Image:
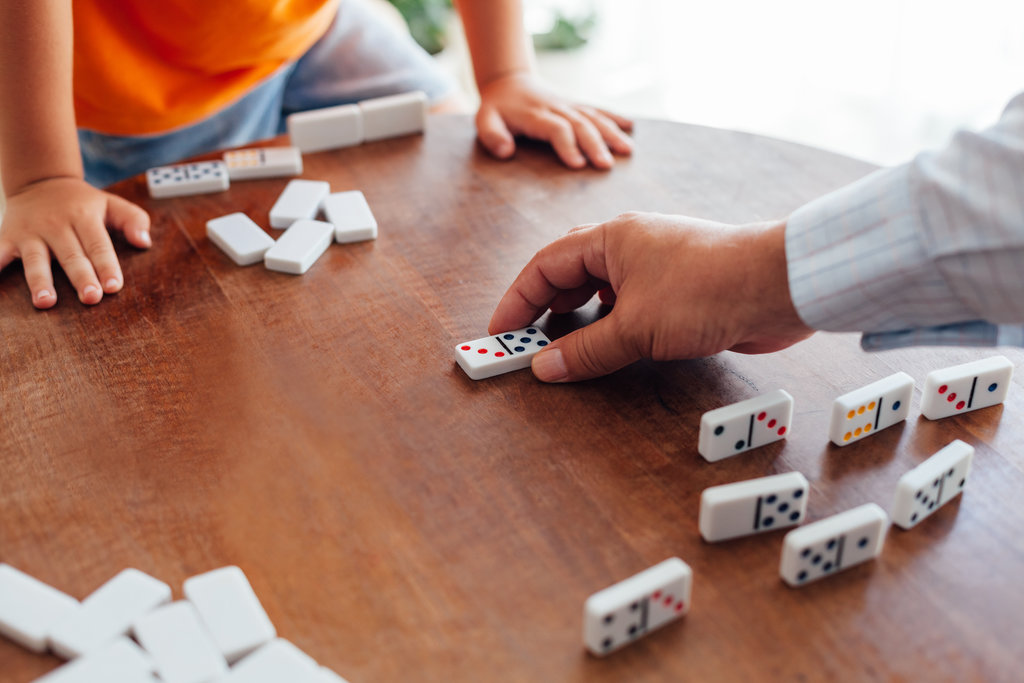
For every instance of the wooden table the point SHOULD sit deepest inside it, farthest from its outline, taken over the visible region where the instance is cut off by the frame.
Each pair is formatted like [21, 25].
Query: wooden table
[401, 522]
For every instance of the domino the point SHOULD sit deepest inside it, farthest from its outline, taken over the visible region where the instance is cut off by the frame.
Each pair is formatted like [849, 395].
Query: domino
[232, 613]
[328, 676]
[300, 199]
[628, 610]
[180, 646]
[29, 607]
[962, 388]
[328, 128]
[832, 544]
[932, 484]
[490, 356]
[753, 506]
[239, 237]
[299, 247]
[275, 662]
[871, 408]
[202, 177]
[119, 661]
[351, 216]
[739, 427]
[263, 162]
[394, 115]
[108, 613]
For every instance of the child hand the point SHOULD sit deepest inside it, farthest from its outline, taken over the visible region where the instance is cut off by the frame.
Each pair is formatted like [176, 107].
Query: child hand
[69, 217]
[680, 287]
[516, 105]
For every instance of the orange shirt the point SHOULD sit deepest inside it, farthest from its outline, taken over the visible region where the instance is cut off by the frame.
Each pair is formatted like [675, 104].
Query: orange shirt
[149, 66]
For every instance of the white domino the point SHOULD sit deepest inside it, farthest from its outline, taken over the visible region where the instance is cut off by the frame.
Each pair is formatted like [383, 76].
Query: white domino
[753, 506]
[871, 408]
[201, 177]
[501, 353]
[329, 676]
[275, 662]
[829, 545]
[232, 613]
[239, 237]
[119, 661]
[394, 115]
[351, 216]
[328, 128]
[29, 607]
[962, 388]
[299, 247]
[737, 428]
[628, 610]
[300, 199]
[263, 162]
[108, 613]
[181, 647]
[932, 484]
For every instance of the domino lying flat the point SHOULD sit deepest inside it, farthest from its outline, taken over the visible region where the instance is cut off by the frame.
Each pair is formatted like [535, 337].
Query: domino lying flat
[201, 177]
[29, 608]
[299, 247]
[119, 661]
[619, 614]
[300, 199]
[871, 408]
[393, 116]
[490, 356]
[736, 428]
[180, 646]
[239, 237]
[230, 610]
[351, 216]
[962, 388]
[932, 484]
[263, 162]
[328, 128]
[829, 545]
[275, 662]
[753, 506]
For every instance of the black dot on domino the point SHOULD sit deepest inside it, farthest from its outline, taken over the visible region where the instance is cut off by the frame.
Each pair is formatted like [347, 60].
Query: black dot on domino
[508, 336]
[542, 343]
[635, 606]
[913, 517]
[802, 576]
[783, 507]
[862, 542]
[519, 349]
[799, 493]
[805, 552]
[740, 444]
[771, 498]
[794, 515]
[768, 521]
[831, 544]
[606, 643]
[531, 330]
[632, 631]
[718, 430]
[816, 559]
[609, 619]
[827, 566]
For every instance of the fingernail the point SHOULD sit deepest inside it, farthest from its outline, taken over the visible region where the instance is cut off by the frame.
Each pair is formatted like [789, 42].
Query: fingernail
[112, 284]
[145, 239]
[43, 294]
[550, 366]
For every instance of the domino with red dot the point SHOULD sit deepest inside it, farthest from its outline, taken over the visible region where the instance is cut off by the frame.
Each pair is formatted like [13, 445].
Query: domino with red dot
[501, 353]
[967, 387]
[734, 429]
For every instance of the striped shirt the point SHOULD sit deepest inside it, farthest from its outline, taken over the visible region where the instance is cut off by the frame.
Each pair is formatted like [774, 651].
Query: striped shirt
[931, 252]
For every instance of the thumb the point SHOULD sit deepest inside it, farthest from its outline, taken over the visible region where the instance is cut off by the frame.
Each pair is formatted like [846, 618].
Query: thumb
[592, 351]
[130, 219]
[493, 133]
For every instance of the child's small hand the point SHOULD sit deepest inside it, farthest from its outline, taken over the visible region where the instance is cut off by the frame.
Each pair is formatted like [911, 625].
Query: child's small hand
[680, 287]
[516, 105]
[69, 217]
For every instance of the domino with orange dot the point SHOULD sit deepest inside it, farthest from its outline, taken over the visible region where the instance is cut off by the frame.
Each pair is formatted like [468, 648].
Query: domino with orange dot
[864, 411]
[490, 356]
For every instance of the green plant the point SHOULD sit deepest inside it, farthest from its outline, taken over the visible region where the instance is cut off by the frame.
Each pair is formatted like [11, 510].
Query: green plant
[428, 21]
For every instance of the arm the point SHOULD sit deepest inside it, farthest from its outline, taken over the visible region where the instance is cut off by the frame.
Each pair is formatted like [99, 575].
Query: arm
[513, 103]
[49, 205]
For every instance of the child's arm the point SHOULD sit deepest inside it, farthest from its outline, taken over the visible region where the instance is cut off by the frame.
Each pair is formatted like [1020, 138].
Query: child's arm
[49, 205]
[513, 103]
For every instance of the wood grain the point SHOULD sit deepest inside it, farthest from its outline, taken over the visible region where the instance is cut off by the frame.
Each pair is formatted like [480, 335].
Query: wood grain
[401, 522]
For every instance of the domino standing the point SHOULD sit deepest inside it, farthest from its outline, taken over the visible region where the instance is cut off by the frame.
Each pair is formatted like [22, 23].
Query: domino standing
[962, 388]
[753, 506]
[29, 608]
[829, 545]
[871, 408]
[263, 162]
[932, 484]
[201, 177]
[739, 427]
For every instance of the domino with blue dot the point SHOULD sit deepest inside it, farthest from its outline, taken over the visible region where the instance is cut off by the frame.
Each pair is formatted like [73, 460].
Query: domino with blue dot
[967, 387]
[501, 353]
[871, 408]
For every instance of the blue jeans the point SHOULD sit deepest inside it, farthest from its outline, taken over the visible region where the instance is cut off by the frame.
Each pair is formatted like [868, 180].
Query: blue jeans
[359, 57]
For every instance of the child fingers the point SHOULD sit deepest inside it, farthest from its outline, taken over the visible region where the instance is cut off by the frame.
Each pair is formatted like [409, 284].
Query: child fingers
[99, 250]
[77, 266]
[35, 258]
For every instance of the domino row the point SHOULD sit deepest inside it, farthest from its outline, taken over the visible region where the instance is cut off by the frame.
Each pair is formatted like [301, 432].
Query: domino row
[619, 615]
[128, 631]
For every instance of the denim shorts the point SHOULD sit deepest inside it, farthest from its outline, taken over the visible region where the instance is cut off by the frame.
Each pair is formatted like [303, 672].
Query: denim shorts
[361, 56]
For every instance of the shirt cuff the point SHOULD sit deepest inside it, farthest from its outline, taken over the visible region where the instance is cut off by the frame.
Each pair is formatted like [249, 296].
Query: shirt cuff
[974, 333]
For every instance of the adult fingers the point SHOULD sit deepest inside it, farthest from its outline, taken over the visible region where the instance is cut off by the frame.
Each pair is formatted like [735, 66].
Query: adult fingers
[591, 351]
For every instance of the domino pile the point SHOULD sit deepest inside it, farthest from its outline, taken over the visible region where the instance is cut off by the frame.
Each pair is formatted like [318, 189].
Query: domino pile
[129, 631]
[618, 615]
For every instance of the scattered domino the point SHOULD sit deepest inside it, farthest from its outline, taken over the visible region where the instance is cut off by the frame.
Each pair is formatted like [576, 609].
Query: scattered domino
[300, 199]
[29, 607]
[108, 613]
[201, 177]
[628, 610]
[932, 484]
[299, 247]
[263, 162]
[753, 506]
[328, 128]
[966, 387]
[394, 115]
[275, 662]
[239, 237]
[871, 408]
[490, 356]
[181, 647]
[353, 221]
[232, 613]
[119, 661]
[829, 545]
[329, 676]
[739, 427]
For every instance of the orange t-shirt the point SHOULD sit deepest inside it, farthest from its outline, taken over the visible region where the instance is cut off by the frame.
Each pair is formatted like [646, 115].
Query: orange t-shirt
[149, 66]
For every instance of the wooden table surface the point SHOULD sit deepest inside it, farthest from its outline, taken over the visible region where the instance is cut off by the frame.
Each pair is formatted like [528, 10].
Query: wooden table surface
[401, 522]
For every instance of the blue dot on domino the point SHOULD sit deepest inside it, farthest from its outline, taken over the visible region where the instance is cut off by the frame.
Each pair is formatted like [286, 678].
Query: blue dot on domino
[531, 330]
[740, 444]
[542, 343]
[896, 405]
[508, 336]
[993, 386]
[519, 349]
